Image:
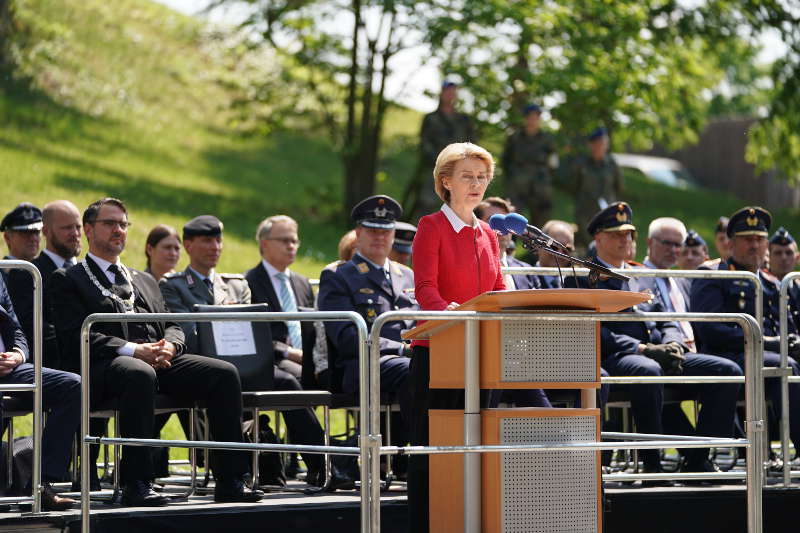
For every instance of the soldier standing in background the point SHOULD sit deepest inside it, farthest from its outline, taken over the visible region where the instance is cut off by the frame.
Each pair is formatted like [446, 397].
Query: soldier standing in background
[595, 181]
[528, 159]
[439, 128]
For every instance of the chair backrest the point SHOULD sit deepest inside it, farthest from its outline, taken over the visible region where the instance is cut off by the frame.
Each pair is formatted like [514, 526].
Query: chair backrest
[247, 345]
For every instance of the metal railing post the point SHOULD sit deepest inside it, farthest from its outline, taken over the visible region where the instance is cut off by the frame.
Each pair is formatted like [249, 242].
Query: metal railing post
[364, 449]
[783, 304]
[36, 387]
[472, 427]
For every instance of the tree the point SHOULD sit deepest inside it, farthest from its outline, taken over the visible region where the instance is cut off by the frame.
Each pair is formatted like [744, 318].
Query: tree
[7, 30]
[335, 57]
[647, 70]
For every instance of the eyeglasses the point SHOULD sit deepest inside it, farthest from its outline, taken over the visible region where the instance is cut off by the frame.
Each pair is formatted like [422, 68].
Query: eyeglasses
[480, 180]
[288, 241]
[671, 244]
[111, 224]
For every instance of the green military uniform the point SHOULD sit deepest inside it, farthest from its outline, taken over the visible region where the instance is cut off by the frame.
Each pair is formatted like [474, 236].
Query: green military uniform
[527, 172]
[182, 290]
[438, 130]
[594, 185]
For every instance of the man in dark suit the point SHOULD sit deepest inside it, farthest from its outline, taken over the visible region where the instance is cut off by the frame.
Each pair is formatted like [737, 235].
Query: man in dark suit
[564, 233]
[654, 348]
[61, 227]
[272, 282]
[61, 400]
[130, 362]
[371, 284]
[22, 231]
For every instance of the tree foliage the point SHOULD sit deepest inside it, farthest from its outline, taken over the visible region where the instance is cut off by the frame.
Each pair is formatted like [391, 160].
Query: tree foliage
[335, 57]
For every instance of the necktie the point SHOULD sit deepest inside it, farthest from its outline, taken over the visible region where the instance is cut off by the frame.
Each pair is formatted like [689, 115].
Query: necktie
[121, 282]
[289, 305]
[679, 304]
[209, 285]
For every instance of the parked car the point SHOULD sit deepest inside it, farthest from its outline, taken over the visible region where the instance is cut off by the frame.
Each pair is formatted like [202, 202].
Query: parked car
[661, 169]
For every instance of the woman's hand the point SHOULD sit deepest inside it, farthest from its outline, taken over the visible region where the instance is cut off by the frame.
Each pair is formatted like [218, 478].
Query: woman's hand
[451, 306]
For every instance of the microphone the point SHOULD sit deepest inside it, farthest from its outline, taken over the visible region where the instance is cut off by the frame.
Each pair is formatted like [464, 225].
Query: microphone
[498, 223]
[518, 225]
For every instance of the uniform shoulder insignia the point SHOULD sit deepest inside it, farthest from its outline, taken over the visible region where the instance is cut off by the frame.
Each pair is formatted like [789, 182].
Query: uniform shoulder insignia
[232, 276]
[362, 267]
[333, 266]
[769, 275]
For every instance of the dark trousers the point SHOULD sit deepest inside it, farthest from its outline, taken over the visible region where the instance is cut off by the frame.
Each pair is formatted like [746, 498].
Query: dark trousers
[718, 401]
[772, 391]
[61, 400]
[394, 379]
[134, 384]
[301, 424]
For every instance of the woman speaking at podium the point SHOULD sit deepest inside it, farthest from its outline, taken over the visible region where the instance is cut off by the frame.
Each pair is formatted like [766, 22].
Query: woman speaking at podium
[456, 257]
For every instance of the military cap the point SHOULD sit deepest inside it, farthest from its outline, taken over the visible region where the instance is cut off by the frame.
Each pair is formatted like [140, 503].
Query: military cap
[531, 108]
[446, 84]
[694, 239]
[782, 237]
[722, 225]
[204, 225]
[403, 237]
[616, 217]
[749, 221]
[379, 211]
[24, 217]
[598, 133]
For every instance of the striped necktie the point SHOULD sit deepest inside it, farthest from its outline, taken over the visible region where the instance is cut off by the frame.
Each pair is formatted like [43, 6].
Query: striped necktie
[289, 305]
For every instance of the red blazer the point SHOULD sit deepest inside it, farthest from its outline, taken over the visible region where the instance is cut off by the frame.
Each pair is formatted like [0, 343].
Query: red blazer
[453, 267]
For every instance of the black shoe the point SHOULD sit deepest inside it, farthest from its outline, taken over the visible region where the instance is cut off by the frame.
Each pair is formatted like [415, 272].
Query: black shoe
[140, 493]
[230, 491]
[51, 501]
[705, 465]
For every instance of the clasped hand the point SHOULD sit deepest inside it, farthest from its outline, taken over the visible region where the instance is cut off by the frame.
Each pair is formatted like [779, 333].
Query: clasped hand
[669, 356]
[156, 354]
[9, 361]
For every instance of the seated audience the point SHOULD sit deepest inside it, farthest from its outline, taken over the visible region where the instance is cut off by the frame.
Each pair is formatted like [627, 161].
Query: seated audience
[163, 251]
[694, 252]
[131, 362]
[401, 248]
[347, 245]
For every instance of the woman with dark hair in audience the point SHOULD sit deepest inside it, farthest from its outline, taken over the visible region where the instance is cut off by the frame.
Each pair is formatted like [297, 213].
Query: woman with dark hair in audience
[163, 250]
[456, 257]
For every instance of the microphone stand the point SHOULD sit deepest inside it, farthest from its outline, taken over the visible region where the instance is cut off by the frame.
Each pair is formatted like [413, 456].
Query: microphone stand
[532, 243]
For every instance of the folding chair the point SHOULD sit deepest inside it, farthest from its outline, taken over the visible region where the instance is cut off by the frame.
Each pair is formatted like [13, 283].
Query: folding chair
[256, 370]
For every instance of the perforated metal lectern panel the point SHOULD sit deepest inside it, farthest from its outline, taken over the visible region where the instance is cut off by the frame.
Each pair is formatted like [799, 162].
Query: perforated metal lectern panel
[546, 351]
[549, 492]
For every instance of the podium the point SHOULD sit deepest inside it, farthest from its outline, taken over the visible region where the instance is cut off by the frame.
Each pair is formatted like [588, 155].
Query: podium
[529, 491]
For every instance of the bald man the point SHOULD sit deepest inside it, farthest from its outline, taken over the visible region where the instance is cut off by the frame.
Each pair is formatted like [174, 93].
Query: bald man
[61, 227]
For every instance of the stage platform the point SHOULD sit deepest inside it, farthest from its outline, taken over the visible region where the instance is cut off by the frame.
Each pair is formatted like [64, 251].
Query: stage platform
[715, 509]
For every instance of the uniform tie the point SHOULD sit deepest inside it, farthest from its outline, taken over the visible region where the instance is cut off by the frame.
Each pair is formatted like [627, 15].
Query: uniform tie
[209, 285]
[289, 305]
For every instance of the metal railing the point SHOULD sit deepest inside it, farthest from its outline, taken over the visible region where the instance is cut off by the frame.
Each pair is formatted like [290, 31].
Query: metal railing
[658, 273]
[754, 425]
[87, 439]
[36, 387]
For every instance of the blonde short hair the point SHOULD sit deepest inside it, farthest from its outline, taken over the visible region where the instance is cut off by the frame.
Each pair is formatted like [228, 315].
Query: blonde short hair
[446, 162]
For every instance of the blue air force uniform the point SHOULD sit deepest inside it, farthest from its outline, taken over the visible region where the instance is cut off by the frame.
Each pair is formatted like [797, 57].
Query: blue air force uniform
[620, 345]
[370, 290]
[726, 339]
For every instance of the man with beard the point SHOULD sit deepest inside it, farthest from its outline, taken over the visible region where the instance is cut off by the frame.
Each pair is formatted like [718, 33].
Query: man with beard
[130, 362]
